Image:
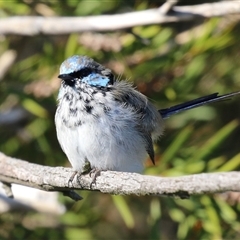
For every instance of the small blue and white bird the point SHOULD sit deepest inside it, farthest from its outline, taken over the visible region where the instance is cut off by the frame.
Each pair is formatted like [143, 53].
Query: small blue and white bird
[106, 122]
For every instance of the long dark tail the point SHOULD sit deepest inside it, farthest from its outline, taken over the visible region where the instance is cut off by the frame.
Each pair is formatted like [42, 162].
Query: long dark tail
[167, 112]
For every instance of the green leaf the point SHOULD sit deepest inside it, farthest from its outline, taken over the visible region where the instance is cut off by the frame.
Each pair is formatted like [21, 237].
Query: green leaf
[211, 224]
[213, 164]
[34, 108]
[124, 210]
[185, 226]
[78, 233]
[155, 209]
[215, 140]
[227, 212]
[72, 45]
[176, 144]
[177, 215]
[231, 164]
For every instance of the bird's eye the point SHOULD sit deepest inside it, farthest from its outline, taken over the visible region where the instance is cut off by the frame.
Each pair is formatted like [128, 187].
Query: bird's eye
[85, 72]
[82, 73]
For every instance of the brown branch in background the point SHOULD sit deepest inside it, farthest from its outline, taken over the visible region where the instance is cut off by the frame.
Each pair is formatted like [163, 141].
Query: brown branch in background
[66, 25]
[120, 183]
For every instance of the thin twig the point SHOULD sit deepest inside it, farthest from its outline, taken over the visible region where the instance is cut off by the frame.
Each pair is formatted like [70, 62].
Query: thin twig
[167, 6]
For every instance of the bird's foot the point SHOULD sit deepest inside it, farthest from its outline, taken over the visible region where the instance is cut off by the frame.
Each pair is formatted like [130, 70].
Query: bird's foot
[72, 178]
[96, 173]
[86, 168]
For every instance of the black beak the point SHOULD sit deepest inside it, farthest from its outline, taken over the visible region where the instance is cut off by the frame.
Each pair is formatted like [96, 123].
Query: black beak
[64, 76]
[67, 78]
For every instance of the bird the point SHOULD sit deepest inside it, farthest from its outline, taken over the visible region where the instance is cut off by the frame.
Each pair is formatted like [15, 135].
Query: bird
[106, 124]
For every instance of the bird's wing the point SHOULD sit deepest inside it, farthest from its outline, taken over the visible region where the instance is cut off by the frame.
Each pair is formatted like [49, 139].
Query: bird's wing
[149, 123]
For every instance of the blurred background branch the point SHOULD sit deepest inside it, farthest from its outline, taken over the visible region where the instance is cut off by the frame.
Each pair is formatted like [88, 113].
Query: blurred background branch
[65, 25]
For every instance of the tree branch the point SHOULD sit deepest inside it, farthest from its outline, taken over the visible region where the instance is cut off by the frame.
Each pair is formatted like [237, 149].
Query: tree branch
[122, 183]
[167, 6]
[66, 25]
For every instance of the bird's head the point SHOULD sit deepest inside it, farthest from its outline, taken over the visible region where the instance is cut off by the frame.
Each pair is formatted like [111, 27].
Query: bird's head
[82, 69]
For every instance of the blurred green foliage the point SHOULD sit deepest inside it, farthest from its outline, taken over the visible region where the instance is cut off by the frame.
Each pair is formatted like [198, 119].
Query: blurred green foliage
[170, 64]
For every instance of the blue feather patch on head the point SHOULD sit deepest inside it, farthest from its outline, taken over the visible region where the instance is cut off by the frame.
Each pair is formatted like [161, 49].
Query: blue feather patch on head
[96, 79]
[74, 64]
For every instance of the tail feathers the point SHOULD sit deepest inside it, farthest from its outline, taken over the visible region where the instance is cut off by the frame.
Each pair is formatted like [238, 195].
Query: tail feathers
[167, 112]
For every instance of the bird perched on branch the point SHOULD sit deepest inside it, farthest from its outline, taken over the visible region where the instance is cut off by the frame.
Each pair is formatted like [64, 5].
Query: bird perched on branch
[107, 123]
